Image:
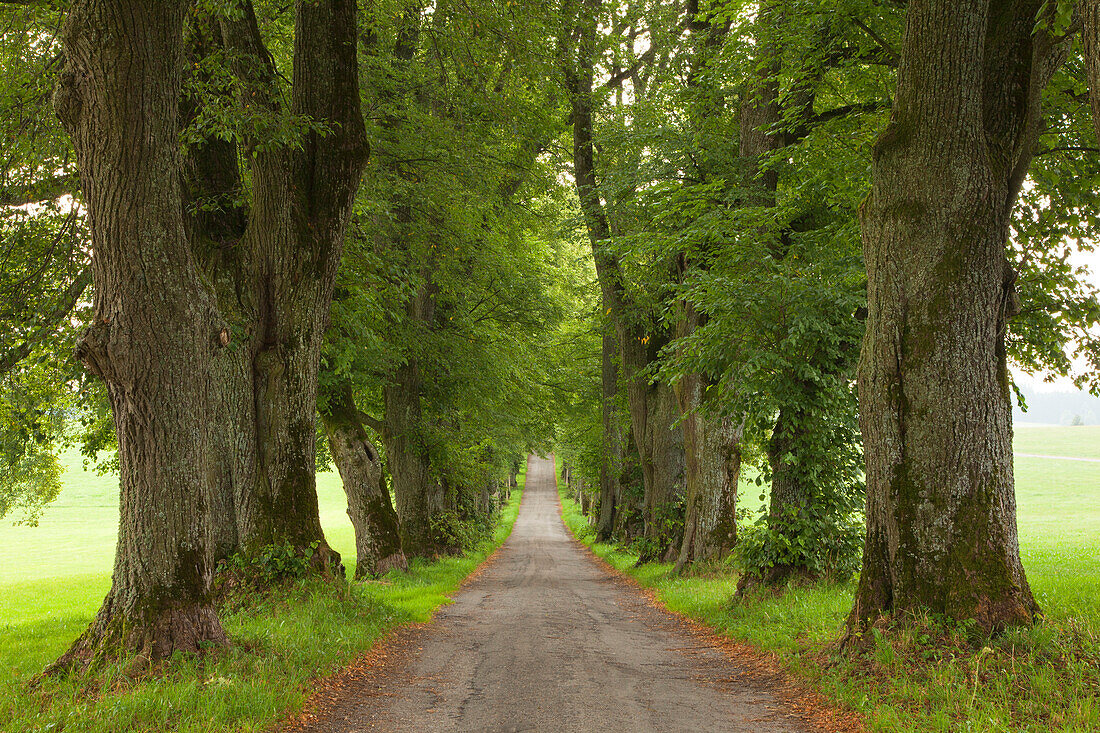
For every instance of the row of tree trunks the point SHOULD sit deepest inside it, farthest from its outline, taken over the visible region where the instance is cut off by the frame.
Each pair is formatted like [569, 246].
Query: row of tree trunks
[935, 400]
[653, 406]
[578, 490]
[214, 397]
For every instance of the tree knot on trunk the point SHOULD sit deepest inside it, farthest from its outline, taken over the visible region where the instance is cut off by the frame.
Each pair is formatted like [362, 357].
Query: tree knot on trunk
[92, 349]
[67, 99]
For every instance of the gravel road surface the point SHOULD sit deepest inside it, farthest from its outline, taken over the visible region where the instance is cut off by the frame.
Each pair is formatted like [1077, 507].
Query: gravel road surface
[547, 639]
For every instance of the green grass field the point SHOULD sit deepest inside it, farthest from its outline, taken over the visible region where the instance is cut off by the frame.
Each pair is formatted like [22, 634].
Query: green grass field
[53, 579]
[1076, 442]
[932, 678]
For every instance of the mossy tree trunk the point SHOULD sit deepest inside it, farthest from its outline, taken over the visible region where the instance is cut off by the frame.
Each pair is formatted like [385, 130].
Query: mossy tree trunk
[377, 534]
[290, 250]
[156, 331]
[935, 405]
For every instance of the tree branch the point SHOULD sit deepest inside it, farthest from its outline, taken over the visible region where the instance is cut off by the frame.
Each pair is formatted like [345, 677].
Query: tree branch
[72, 294]
[371, 422]
[889, 50]
[47, 189]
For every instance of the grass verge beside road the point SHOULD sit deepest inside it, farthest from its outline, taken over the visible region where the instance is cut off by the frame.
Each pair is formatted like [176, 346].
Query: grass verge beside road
[281, 644]
[932, 676]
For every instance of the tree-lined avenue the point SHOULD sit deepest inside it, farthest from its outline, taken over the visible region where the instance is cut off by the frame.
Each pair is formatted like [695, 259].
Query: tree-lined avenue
[545, 639]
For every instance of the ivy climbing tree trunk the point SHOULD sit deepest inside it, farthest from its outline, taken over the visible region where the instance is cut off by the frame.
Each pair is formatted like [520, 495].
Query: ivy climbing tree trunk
[377, 535]
[155, 333]
[934, 389]
[790, 495]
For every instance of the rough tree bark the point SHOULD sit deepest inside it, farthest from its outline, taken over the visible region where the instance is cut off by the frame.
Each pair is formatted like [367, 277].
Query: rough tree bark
[712, 448]
[1090, 35]
[289, 251]
[212, 191]
[377, 534]
[155, 331]
[934, 391]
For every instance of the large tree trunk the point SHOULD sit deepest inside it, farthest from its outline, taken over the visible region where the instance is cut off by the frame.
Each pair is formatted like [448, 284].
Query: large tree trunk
[712, 455]
[233, 436]
[934, 388]
[291, 248]
[377, 534]
[155, 332]
[419, 494]
[654, 412]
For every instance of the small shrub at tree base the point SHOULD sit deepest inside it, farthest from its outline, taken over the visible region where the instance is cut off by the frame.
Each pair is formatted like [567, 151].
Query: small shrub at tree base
[831, 549]
[272, 565]
[458, 534]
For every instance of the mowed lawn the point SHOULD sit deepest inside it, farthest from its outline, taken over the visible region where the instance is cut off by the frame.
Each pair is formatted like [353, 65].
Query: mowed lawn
[1058, 513]
[53, 577]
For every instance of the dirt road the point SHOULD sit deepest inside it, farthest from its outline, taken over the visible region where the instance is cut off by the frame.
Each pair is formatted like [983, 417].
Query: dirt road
[545, 639]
